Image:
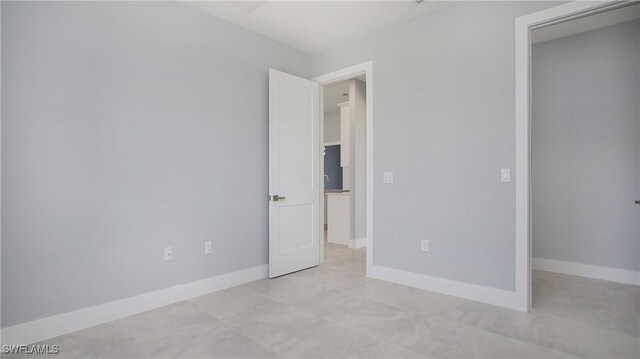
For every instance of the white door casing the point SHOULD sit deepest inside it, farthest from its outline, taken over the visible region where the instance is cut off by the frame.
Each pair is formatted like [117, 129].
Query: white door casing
[294, 186]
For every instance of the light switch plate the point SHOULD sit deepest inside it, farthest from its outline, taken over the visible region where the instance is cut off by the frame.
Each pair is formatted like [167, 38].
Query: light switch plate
[424, 245]
[505, 175]
[387, 177]
[168, 253]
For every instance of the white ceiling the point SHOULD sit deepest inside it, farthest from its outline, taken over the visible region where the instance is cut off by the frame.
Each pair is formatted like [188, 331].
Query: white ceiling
[587, 23]
[313, 26]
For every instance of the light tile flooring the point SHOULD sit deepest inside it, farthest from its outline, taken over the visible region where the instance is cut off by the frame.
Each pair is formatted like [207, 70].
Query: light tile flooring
[333, 311]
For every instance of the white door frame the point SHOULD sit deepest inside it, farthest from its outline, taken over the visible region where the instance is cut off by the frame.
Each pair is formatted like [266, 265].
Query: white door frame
[350, 72]
[524, 25]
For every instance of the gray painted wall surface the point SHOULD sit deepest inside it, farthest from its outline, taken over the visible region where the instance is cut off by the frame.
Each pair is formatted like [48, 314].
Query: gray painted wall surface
[358, 158]
[444, 123]
[332, 126]
[117, 125]
[586, 147]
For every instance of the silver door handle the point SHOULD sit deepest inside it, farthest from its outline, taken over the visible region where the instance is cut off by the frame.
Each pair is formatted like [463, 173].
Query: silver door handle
[276, 198]
[637, 201]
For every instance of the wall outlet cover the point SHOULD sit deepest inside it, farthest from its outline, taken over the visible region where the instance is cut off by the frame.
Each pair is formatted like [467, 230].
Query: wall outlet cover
[208, 247]
[505, 175]
[424, 245]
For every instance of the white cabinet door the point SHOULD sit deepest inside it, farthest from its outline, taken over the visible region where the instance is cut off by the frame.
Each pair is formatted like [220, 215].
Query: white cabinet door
[338, 218]
[294, 182]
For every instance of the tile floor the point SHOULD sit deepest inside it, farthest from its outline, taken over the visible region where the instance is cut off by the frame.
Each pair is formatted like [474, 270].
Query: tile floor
[334, 311]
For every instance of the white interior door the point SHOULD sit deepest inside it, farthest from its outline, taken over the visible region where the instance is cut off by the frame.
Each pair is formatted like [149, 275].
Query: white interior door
[294, 178]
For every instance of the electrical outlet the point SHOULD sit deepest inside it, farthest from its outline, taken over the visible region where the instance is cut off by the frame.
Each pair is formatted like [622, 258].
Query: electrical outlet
[168, 254]
[505, 175]
[208, 247]
[425, 245]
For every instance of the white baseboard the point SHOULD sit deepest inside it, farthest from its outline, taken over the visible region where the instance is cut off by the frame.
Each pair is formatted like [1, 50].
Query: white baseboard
[50, 327]
[500, 297]
[587, 270]
[357, 243]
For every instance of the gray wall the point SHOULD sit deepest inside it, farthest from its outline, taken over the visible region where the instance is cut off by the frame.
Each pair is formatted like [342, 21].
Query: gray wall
[586, 147]
[126, 128]
[332, 126]
[358, 158]
[444, 124]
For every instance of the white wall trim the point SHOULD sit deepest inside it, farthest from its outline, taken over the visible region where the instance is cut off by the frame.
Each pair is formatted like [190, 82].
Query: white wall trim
[523, 26]
[587, 270]
[365, 68]
[500, 297]
[357, 243]
[332, 144]
[46, 328]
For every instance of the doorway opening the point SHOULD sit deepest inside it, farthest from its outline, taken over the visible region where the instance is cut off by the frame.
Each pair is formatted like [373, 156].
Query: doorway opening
[346, 169]
[577, 155]
[296, 169]
[585, 161]
[344, 151]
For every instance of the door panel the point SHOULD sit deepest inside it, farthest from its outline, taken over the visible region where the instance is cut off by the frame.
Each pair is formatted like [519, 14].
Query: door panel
[294, 156]
[295, 136]
[295, 224]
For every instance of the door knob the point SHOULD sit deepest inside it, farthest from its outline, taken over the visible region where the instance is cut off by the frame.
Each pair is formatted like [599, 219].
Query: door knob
[637, 201]
[276, 198]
